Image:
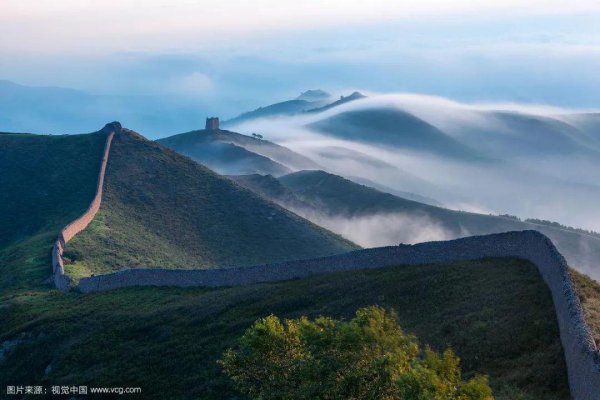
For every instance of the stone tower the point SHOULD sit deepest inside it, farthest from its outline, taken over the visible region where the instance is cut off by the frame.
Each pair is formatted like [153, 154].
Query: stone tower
[212, 123]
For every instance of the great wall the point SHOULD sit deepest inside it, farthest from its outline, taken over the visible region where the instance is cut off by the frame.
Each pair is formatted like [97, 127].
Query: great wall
[61, 280]
[581, 353]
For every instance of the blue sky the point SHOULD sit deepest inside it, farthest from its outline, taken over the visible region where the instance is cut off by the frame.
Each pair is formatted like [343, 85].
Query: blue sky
[232, 55]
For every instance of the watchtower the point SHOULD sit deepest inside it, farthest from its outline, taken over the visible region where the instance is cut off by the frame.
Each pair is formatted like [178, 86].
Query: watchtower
[212, 123]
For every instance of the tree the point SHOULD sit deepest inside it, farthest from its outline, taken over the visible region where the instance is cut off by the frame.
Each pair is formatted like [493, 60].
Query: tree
[366, 358]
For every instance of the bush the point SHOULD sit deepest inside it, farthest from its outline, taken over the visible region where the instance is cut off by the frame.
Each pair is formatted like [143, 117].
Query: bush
[368, 357]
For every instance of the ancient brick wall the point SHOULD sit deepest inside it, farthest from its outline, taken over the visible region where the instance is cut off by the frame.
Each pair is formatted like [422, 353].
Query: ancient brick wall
[581, 354]
[62, 281]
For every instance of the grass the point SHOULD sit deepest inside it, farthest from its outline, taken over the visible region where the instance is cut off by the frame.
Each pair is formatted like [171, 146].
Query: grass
[161, 209]
[496, 314]
[46, 182]
[589, 295]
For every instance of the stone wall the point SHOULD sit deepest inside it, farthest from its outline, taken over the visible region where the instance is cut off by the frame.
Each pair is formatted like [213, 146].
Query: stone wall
[62, 281]
[581, 354]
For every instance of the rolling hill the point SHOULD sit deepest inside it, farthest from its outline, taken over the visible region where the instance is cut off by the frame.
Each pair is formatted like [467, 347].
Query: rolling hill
[308, 100]
[392, 127]
[231, 153]
[474, 157]
[512, 135]
[374, 218]
[162, 209]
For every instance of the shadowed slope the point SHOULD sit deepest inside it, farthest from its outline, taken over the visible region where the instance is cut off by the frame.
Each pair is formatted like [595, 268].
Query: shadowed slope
[45, 182]
[162, 209]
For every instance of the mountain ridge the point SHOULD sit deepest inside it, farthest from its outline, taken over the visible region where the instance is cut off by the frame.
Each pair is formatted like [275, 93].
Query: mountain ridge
[231, 153]
[190, 215]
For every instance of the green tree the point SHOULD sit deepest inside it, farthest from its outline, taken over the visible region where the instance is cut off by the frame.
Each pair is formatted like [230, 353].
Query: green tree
[366, 358]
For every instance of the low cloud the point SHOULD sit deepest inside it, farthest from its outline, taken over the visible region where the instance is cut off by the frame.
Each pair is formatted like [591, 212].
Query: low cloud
[381, 229]
[196, 84]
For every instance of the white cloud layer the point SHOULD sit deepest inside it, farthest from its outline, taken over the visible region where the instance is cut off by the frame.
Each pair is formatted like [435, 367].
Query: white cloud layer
[166, 25]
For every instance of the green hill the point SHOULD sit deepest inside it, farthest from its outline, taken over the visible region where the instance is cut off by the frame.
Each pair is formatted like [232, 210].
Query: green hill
[162, 209]
[334, 196]
[497, 315]
[216, 150]
[231, 153]
[46, 182]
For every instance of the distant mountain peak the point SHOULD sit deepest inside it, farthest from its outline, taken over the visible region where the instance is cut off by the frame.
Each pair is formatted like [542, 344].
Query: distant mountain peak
[343, 99]
[314, 95]
[355, 95]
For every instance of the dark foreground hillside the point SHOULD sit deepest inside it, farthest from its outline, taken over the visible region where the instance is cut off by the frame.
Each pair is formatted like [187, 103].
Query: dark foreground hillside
[45, 182]
[496, 314]
[162, 209]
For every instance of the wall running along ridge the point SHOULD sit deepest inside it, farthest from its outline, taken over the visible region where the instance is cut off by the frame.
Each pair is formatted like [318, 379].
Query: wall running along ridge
[62, 281]
[581, 353]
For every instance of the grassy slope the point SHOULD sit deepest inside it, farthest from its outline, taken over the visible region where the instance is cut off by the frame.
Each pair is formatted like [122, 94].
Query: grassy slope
[496, 314]
[162, 209]
[589, 295]
[46, 181]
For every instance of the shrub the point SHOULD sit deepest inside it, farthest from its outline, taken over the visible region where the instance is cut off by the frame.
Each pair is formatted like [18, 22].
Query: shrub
[366, 358]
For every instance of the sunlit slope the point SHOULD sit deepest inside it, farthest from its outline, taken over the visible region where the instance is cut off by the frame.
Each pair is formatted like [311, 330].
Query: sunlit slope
[589, 295]
[45, 182]
[162, 209]
[497, 315]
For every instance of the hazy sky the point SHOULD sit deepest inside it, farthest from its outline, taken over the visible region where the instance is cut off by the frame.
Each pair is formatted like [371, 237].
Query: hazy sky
[237, 54]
